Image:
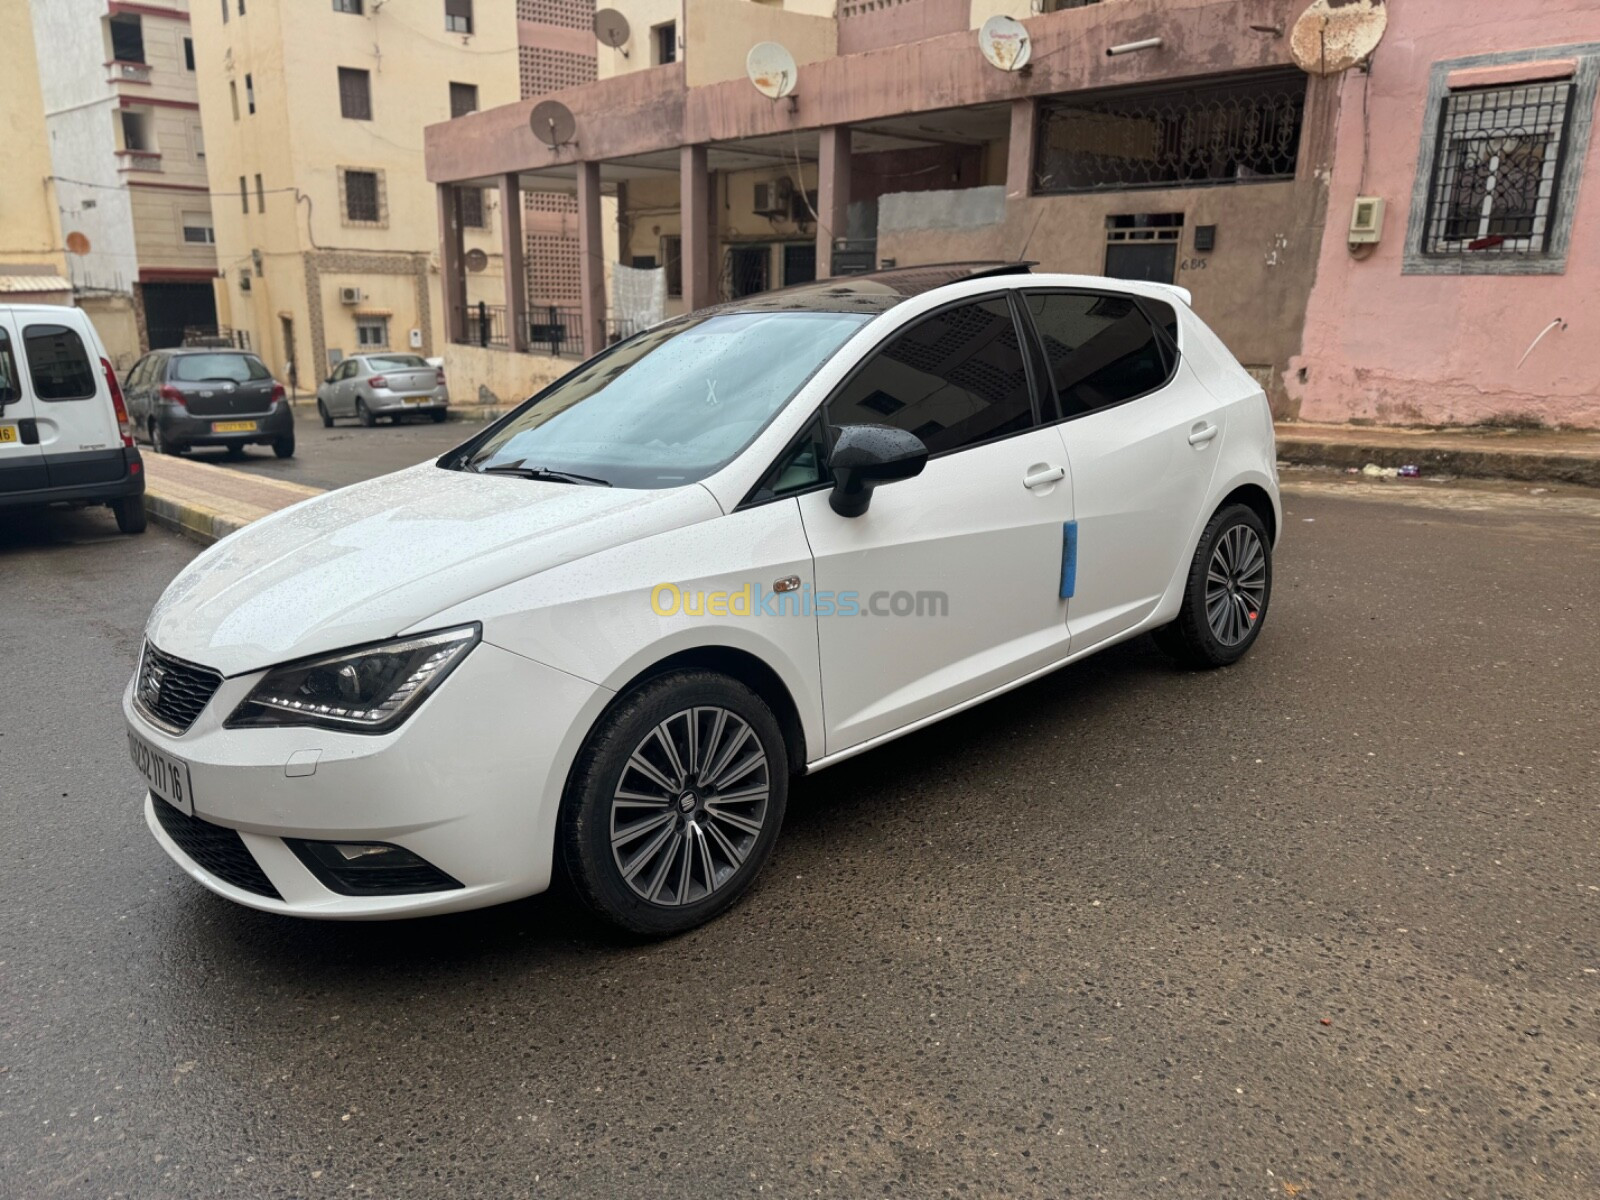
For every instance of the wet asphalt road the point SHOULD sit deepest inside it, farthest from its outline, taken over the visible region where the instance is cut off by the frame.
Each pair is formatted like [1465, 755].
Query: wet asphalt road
[1326, 924]
[346, 453]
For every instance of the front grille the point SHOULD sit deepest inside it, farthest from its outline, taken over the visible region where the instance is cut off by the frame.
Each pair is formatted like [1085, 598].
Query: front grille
[173, 692]
[218, 849]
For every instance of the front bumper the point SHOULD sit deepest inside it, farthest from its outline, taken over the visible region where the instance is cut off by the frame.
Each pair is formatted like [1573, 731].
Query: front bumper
[471, 783]
[182, 428]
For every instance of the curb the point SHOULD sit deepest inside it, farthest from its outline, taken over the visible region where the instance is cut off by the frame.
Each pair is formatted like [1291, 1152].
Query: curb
[203, 525]
[206, 503]
[1466, 462]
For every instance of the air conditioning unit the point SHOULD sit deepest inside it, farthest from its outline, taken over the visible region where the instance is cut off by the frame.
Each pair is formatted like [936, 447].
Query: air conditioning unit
[349, 295]
[773, 198]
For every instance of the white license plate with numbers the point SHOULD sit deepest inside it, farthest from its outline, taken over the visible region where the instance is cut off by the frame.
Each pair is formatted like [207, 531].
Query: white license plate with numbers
[167, 777]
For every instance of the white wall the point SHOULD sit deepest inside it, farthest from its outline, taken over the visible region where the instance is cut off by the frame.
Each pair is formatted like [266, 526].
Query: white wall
[80, 111]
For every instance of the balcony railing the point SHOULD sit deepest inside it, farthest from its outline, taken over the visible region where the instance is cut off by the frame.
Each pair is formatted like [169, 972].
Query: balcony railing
[138, 160]
[552, 328]
[127, 72]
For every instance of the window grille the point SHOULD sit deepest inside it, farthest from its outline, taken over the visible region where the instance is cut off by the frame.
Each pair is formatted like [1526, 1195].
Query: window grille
[361, 195]
[355, 94]
[463, 99]
[1242, 130]
[1497, 170]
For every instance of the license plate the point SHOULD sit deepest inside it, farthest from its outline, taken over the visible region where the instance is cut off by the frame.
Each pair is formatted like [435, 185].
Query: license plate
[8, 433]
[233, 427]
[416, 399]
[167, 777]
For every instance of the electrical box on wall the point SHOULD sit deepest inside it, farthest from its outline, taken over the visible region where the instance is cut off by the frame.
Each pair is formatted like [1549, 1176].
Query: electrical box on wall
[416, 339]
[1205, 239]
[1366, 221]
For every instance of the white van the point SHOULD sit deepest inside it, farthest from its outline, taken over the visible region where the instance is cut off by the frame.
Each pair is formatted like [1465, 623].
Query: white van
[64, 433]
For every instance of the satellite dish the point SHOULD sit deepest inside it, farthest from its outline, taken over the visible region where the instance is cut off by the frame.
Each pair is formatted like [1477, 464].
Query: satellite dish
[1334, 35]
[771, 68]
[1005, 43]
[611, 28]
[476, 259]
[553, 123]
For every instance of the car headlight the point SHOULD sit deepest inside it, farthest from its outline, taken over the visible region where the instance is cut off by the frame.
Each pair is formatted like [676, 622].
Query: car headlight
[367, 690]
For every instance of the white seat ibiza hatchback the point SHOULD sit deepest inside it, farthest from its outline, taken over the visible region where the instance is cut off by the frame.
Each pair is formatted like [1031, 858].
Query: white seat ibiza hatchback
[601, 636]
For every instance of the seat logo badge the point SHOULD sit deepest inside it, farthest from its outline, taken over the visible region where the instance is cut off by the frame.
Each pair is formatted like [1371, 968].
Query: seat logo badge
[150, 685]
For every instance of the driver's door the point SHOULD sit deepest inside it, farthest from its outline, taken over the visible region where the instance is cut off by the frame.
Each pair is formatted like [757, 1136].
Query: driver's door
[951, 583]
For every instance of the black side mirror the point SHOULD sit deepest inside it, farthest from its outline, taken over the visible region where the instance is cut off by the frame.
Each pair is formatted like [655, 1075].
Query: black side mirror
[865, 456]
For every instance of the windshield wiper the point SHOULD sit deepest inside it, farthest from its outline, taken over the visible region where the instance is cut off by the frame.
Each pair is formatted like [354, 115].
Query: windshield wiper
[543, 474]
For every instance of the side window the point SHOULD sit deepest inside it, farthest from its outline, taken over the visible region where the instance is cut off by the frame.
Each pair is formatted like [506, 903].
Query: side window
[140, 375]
[800, 468]
[10, 385]
[59, 363]
[955, 378]
[1100, 348]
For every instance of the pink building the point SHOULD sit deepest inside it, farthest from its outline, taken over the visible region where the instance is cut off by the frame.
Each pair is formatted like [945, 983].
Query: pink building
[1473, 127]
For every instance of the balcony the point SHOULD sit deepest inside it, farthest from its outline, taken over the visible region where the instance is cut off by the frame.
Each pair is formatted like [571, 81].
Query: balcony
[118, 71]
[138, 160]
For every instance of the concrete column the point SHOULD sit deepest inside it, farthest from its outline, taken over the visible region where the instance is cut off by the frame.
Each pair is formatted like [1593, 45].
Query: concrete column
[452, 268]
[591, 259]
[511, 257]
[694, 203]
[1019, 155]
[833, 192]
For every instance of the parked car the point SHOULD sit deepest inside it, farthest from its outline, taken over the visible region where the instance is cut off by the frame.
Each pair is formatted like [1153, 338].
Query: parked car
[180, 399]
[369, 386]
[64, 435]
[601, 635]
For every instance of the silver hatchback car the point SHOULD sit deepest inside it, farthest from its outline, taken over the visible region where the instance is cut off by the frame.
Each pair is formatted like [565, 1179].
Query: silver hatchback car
[369, 386]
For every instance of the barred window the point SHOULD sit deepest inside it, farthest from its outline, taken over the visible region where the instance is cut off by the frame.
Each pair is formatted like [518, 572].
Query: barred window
[1243, 130]
[472, 207]
[355, 94]
[361, 196]
[1496, 170]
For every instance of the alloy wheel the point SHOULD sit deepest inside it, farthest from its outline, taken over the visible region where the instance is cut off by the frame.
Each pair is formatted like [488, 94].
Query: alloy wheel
[1236, 584]
[689, 806]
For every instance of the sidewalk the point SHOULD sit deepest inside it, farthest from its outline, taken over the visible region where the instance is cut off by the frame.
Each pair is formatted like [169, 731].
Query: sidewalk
[208, 503]
[1540, 455]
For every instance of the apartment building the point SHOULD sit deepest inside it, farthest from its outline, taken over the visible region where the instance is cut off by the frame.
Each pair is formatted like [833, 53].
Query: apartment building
[327, 229]
[33, 264]
[127, 154]
[1199, 157]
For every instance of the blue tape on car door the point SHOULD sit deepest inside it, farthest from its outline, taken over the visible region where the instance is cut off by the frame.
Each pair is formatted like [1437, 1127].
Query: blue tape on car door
[1069, 559]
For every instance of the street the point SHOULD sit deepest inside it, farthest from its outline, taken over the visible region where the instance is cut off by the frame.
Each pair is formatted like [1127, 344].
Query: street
[1324, 924]
[347, 453]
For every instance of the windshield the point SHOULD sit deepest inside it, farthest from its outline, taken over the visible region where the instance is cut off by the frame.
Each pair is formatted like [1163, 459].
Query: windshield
[669, 406]
[395, 362]
[227, 368]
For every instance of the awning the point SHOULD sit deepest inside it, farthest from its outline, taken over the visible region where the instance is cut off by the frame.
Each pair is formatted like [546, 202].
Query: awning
[34, 283]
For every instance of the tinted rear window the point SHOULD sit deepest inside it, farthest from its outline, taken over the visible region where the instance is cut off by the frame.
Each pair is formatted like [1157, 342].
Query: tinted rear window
[397, 362]
[220, 368]
[59, 363]
[1100, 348]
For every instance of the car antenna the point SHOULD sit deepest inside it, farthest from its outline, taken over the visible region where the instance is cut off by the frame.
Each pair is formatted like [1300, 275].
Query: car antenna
[1028, 241]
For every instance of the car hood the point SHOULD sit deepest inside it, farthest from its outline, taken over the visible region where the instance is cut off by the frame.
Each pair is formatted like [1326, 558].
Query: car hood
[378, 559]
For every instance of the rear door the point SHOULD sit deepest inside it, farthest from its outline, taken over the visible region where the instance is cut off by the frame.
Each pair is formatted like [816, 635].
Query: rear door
[21, 456]
[77, 422]
[1142, 435]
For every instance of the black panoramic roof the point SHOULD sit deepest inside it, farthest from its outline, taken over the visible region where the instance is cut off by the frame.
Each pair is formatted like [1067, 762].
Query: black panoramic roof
[869, 294]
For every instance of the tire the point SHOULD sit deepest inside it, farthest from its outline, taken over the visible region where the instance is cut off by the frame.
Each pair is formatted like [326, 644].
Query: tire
[129, 512]
[283, 447]
[1237, 593]
[159, 443]
[322, 411]
[439, 416]
[364, 414]
[732, 837]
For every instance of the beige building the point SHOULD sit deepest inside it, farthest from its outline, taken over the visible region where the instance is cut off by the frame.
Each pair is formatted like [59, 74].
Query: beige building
[33, 263]
[327, 229]
[127, 164]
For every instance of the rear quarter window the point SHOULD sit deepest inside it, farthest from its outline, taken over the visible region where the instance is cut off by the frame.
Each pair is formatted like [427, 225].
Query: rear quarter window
[58, 363]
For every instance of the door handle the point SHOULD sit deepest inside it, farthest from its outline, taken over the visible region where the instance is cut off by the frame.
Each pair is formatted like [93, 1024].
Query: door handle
[1201, 434]
[1040, 476]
